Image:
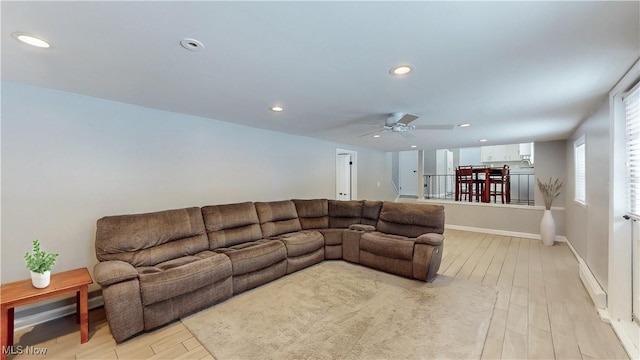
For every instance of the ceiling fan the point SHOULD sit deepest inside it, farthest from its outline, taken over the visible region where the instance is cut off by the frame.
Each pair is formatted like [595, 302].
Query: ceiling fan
[400, 123]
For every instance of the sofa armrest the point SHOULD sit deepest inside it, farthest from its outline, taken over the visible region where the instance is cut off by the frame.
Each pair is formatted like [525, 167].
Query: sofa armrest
[362, 227]
[430, 239]
[111, 272]
[121, 295]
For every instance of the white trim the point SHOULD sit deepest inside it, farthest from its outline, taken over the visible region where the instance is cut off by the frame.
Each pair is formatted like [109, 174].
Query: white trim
[597, 294]
[622, 335]
[473, 203]
[22, 322]
[619, 263]
[559, 238]
[580, 183]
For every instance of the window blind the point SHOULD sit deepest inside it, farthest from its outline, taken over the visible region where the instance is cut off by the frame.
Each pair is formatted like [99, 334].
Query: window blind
[632, 123]
[580, 167]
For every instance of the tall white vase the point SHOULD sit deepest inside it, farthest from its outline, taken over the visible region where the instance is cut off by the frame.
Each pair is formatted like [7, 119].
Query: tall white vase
[547, 228]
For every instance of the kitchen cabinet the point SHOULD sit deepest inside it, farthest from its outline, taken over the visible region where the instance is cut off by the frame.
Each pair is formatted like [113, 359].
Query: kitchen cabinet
[500, 153]
[525, 149]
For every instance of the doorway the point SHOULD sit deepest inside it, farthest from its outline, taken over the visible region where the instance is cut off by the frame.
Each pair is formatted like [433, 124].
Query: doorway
[346, 174]
[408, 173]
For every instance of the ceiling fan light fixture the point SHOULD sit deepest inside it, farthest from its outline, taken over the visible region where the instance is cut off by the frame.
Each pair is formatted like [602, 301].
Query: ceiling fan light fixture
[400, 70]
[31, 40]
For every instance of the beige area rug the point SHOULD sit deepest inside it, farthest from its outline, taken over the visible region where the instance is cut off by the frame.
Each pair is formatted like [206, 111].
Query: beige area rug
[338, 310]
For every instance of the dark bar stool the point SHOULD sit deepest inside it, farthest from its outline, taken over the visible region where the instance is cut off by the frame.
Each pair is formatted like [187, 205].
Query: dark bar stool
[466, 183]
[500, 183]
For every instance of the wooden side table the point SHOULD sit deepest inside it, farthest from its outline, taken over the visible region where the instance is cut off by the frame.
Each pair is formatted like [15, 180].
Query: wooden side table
[22, 292]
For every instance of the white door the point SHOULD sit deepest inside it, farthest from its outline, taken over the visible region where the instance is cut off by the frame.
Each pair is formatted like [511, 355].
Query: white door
[408, 173]
[450, 180]
[343, 177]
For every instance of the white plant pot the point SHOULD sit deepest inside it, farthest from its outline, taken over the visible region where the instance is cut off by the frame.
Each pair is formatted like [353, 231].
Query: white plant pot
[547, 228]
[41, 281]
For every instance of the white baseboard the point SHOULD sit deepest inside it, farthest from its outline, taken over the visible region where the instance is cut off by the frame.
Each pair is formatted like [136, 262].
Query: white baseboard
[622, 334]
[56, 313]
[500, 232]
[599, 298]
[597, 294]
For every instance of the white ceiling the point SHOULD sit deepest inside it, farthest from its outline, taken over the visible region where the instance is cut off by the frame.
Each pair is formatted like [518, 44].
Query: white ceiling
[517, 71]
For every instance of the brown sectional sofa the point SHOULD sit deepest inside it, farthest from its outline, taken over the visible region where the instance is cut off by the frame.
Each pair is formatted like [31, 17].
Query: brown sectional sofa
[158, 267]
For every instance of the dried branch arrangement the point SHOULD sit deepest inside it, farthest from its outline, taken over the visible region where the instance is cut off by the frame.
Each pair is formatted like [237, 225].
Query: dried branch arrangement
[550, 190]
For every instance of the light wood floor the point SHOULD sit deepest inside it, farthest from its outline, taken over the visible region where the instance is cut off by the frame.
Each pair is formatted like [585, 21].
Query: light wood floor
[542, 312]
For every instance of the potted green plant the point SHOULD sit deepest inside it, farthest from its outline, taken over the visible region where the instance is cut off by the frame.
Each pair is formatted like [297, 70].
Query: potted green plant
[550, 191]
[40, 264]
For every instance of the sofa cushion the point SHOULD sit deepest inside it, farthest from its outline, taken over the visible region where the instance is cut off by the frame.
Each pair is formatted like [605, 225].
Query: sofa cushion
[302, 242]
[371, 212]
[255, 255]
[391, 265]
[332, 236]
[277, 217]
[411, 220]
[231, 224]
[387, 245]
[256, 278]
[344, 213]
[151, 238]
[182, 275]
[313, 214]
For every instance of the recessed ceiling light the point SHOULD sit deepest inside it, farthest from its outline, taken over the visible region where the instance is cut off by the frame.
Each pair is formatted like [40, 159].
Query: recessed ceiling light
[31, 40]
[414, 146]
[483, 140]
[403, 69]
[376, 135]
[464, 125]
[277, 108]
[191, 44]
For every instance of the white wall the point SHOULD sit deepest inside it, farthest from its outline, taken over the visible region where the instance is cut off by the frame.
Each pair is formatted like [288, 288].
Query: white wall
[68, 160]
[551, 163]
[588, 226]
[470, 156]
[511, 220]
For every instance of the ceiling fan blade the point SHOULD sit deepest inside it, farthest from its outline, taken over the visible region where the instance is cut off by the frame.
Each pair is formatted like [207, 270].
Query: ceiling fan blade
[407, 134]
[407, 118]
[433, 127]
[372, 132]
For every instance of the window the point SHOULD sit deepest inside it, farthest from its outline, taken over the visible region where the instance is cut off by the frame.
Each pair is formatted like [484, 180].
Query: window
[632, 142]
[580, 170]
